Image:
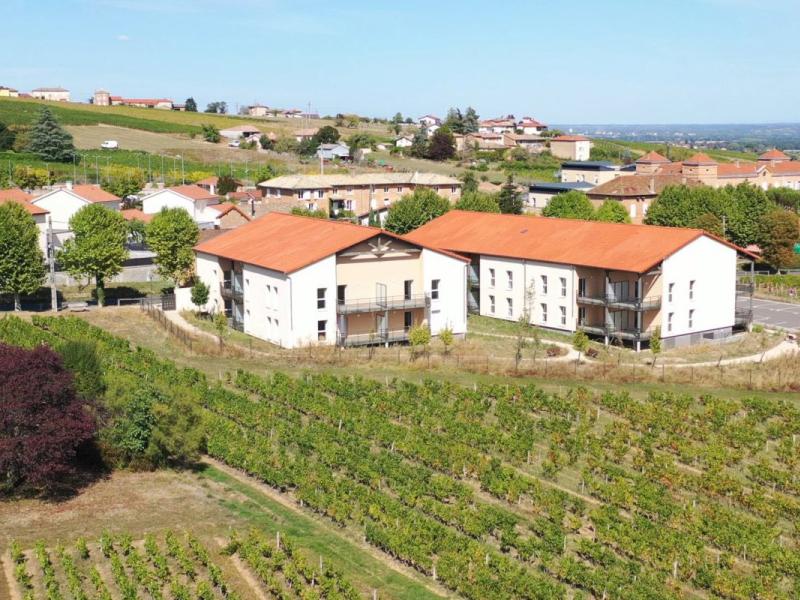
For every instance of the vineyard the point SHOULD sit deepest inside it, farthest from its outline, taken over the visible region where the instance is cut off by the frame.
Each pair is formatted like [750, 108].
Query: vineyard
[172, 566]
[508, 491]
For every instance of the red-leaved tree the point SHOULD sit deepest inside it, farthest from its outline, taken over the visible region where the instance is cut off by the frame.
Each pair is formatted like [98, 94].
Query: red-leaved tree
[42, 421]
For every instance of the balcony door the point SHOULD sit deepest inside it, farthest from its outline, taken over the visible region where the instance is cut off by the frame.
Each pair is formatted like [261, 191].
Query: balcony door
[380, 294]
[620, 290]
[382, 325]
[582, 287]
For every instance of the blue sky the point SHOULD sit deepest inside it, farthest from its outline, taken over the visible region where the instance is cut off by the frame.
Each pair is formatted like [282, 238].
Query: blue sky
[584, 61]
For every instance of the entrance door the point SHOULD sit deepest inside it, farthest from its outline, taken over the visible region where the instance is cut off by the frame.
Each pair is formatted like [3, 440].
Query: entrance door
[381, 325]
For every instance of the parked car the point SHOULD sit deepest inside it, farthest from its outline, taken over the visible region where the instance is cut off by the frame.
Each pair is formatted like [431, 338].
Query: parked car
[234, 144]
[110, 144]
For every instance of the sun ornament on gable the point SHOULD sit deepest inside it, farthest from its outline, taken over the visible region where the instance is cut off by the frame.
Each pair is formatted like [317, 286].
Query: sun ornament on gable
[380, 247]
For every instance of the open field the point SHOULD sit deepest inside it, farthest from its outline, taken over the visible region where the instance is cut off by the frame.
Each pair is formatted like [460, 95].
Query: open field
[502, 490]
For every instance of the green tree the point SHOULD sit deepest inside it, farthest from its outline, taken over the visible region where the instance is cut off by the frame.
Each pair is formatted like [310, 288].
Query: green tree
[397, 119]
[29, 178]
[785, 197]
[782, 232]
[361, 139]
[80, 357]
[49, 141]
[21, 259]
[454, 120]
[200, 294]
[7, 137]
[326, 135]
[570, 205]
[414, 210]
[471, 122]
[509, 198]
[709, 222]
[469, 183]
[123, 181]
[655, 344]
[681, 206]
[97, 249]
[266, 142]
[612, 211]
[218, 107]
[191, 105]
[419, 144]
[580, 341]
[747, 206]
[419, 336]
[171, 235]
[442, 145]
[302, 211]
[210, 133]
[478, 202]
[226, 184]
[447, 339]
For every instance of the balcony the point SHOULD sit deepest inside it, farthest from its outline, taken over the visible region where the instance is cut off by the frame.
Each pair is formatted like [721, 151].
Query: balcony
[368, 305]
[621, 303]
[612, 330]
[232, 289]
[367, 339]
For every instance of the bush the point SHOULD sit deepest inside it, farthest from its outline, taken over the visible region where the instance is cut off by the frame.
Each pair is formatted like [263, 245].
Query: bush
[414, 210]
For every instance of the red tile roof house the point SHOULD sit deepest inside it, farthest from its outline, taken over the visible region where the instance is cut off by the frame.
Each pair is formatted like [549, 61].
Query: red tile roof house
[62, 203]
[38, 213]
[298, 281]
[610, 280]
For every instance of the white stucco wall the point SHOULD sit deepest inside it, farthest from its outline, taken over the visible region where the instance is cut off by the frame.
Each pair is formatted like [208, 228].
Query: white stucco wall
[304, 313]
[266, 305]
[450, 310]
[207, 269]
[197, 209]
[61, 204]
[712, 266]
[527, 287]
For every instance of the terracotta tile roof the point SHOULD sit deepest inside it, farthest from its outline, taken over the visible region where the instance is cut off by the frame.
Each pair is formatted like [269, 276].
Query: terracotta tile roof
[243, 129]
[652, 157]
[31, 208]
[570, 138]
[245, 196]
[134, 214]
[621, 247]
[671, 168]
[93, 193]
[742, 169]
[287, 243]
[774, 154]
[15, 194]
[224, 209]
[529, 122]
[639, 185]
[788, 167]
[208, 181]
[701, 158]
[195, 192]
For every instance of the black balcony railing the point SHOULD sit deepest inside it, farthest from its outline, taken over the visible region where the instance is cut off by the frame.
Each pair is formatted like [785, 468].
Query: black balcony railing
[365, 305]
[612, 301]
[374, 338]
[232, 288]
[611, 330]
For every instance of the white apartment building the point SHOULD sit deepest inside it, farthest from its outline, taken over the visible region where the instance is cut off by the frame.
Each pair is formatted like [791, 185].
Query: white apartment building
[615, 281]
[297, 281]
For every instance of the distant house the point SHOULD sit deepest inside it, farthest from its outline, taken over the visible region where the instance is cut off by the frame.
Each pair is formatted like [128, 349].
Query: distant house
[530, 126]
[7, 92]
[331, 151]
[195, 200]
[404, 141]
[292, 113]
[532, 143]
[210, 184]
[101, 98]
[229, 216]
[571, 147]
[240, 131]
[540, 193]
[258, 110]
[595, 172]
[429, 120]
[483, 140]
[38, 213]
[160, 103]
[502, 125]
[431, 129]
[302, 135]
[54, 94]
[63, 203]
[636, 192]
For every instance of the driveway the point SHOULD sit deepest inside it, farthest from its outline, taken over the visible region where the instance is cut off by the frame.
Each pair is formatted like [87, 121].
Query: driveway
[776, 314]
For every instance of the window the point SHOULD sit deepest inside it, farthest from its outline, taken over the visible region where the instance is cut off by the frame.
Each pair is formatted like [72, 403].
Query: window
[319, 193]
[510, 280]
[563, 314]
[348, 205]
[670, 289]
[386, 189]
[399, 189]
[321, 297]
[582, 287]
[582, 315]
[340, 291]
[563, 287]
[322, 330]
[407, 289]
[633, 211]
[491, 278]
[491, 304]
[311, 206]
[407, 321]
[691, 290]
[510, 303]
[691, 318]
[669, 321]
[544, 313]
[269, 296]
[544, 284]
[453, 189]
[300, 194]
[434, 289]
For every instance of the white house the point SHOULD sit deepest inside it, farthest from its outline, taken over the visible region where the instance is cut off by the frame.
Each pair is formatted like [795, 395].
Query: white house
[431, 129]
[258, 110]
[63, 203]
[54, 94]
[38, 213]
[195, 200]
[571, 147]
[404, 141]
[298, 281]
[429, 120]
[331, 151]
[531, 126]
[615, 281]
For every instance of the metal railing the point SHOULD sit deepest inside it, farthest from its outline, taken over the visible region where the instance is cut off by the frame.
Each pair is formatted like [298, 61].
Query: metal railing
[628, 302]
[611, 330]
[376, 337]
[232, 288]
[377, 304]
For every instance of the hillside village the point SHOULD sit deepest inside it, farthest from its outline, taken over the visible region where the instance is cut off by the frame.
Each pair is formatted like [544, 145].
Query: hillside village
[250, 352]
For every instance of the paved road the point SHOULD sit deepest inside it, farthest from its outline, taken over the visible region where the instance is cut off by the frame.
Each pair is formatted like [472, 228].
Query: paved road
[776, 314]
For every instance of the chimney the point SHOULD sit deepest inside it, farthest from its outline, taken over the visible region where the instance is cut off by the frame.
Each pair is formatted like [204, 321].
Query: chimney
[69, 185]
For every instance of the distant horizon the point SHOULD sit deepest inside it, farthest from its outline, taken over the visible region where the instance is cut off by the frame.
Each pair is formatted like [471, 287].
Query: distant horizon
[616, 62]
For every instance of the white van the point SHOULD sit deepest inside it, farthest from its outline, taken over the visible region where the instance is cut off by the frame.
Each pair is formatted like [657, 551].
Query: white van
[110, 145]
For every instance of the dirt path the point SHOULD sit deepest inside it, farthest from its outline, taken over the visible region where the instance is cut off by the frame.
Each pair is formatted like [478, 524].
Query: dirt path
[389, 562]
[244, 573]
[8, 574]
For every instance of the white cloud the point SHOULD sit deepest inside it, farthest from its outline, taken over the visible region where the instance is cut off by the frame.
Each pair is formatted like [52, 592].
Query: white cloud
[123, 38]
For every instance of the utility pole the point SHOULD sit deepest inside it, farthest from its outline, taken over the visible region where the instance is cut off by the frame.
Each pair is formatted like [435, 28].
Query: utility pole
[51, 259]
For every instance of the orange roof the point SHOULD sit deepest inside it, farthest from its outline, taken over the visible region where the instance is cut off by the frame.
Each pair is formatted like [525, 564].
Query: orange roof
[639, 185]
[742, 169]
[31, 208]
[652, 157]
[621, 247]
[224, 209]
[94, 193]
[15, 194]
[787, 167]
[195, 192]
[701, 158]
[570, 138]
[773, 154]
[208, 181]
[134, 214]
[287, 243]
